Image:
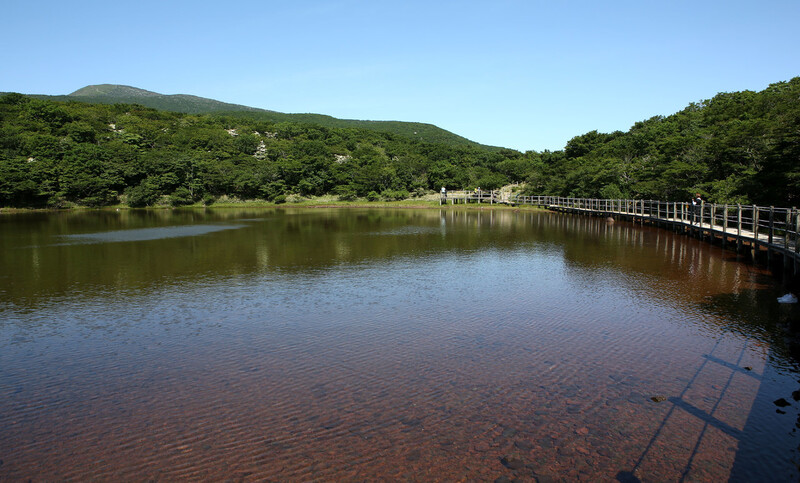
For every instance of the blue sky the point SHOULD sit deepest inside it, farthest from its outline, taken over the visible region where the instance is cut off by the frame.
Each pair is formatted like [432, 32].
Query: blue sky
[528, 75]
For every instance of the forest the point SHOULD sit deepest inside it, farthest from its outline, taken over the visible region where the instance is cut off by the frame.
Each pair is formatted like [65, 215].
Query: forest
[741, 147]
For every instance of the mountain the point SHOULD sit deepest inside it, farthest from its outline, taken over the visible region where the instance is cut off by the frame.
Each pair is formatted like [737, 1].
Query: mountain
[121, 94]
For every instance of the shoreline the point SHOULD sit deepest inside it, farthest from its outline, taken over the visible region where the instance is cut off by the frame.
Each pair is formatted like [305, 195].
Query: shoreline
[405, 204]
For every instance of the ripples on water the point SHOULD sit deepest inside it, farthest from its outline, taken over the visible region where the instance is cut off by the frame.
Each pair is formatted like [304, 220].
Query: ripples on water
[363, 345]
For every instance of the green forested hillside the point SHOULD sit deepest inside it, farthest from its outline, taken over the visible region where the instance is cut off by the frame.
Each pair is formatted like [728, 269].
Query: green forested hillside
[56, 153]
[119, 94]
[736, 147]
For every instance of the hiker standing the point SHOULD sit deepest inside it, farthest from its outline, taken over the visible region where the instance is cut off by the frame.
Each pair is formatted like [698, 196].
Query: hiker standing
[697, 204]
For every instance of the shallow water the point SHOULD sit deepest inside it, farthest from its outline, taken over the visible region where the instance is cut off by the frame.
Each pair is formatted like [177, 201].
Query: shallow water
[287, 344]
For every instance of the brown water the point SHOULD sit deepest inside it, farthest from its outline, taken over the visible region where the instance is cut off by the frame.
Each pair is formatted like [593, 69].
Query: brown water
[362, 345]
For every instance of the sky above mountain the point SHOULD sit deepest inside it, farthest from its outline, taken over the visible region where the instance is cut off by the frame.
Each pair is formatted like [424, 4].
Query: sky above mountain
[524, 74]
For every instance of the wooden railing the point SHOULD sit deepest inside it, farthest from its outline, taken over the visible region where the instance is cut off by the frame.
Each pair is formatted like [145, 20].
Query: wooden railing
[773, 227]
[477, 196]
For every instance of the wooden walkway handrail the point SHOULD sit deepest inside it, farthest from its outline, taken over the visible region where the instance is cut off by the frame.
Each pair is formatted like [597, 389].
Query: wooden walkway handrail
[479, 196]
[768, 228]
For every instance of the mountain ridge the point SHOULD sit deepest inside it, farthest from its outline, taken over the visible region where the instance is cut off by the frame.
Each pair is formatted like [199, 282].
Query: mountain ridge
[113, 89]
[190, 104]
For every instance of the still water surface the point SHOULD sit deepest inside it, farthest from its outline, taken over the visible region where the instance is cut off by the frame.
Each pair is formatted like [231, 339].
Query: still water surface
[323, 344]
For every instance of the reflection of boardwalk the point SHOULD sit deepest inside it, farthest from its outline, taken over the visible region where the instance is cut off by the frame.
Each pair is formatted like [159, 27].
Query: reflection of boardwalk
[702, 416]
[760, 229]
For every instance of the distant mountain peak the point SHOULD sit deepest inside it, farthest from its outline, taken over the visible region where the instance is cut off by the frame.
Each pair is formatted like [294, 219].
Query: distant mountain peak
[122, 94]
[113, 90]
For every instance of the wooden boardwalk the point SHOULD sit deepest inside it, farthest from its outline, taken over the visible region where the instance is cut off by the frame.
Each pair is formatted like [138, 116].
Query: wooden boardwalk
[764, 232]
[473, 196]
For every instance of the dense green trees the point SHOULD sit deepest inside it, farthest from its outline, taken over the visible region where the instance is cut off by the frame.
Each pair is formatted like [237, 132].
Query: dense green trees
[53, 153]
[736, 147]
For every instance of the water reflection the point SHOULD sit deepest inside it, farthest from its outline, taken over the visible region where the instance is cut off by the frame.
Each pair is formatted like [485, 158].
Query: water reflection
[385, 344]
[145, 234]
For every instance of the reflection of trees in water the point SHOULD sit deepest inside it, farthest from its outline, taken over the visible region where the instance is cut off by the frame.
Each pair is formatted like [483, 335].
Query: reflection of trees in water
[756, 314]
[726, 296]
[730, 293]
[289, 240]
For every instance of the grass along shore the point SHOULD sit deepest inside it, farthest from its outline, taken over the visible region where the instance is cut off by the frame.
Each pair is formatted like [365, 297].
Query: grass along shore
[428, 201]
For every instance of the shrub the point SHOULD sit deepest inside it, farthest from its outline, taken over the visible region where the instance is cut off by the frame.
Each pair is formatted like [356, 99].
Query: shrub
[143, 194]
[209, 199]
[181, 196]
[395, 195]
[346, 192]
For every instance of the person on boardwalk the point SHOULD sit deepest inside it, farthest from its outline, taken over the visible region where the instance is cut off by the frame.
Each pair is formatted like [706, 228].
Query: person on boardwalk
[697, 203]
[444, 193]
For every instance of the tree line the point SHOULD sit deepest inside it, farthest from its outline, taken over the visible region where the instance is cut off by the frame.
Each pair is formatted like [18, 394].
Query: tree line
[741, 147]
[57, 153]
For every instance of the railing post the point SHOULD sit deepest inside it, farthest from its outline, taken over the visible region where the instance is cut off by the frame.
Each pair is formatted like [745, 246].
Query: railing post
[786, 229]
[713, 215]
[796, 231]
[771, 224]
[725, 225]
[674, 207]
[702, 216]
[739, 220]
[754, 246]
[755, 221]
[739, 228]
[675, 213]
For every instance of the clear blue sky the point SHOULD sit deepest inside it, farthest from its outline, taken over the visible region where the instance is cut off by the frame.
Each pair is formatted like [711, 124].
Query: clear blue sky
[520, 74]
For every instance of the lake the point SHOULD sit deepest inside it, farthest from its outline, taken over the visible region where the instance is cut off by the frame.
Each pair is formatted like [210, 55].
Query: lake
[294, 344]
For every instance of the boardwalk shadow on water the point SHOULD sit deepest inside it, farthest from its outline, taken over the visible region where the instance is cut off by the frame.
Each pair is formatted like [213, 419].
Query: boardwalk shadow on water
[768, 450]
[766, 443]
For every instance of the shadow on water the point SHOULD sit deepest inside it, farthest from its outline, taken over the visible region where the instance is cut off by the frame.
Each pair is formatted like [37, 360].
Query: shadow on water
[766, 448]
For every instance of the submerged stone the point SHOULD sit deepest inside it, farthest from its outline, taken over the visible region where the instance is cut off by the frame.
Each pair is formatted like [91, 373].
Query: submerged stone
[512, 461]
[524, 445]
[782, 403]
[509, 432]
